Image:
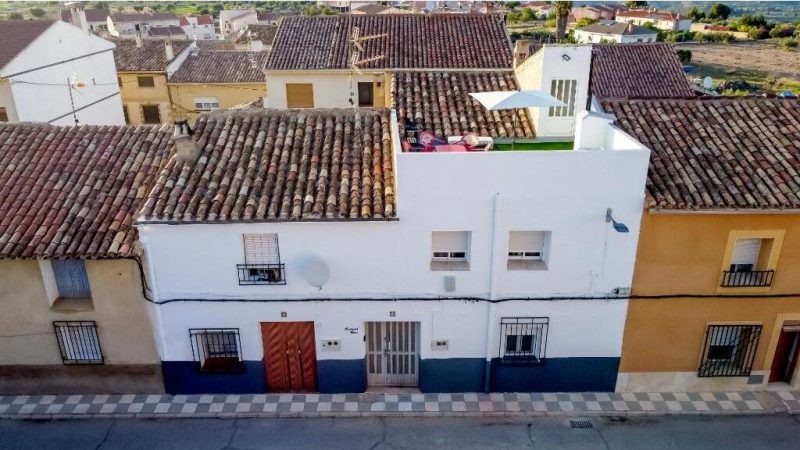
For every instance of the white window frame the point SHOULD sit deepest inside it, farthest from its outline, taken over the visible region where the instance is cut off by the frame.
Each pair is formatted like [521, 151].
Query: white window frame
[450, 254]
[206, 103]
[566, 90]
[741, 259]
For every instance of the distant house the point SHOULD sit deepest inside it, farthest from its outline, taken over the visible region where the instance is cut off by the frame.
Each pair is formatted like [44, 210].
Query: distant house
[208, 80]
[268, 18]
[198, 27]
[39, 59]
[95, 19]
[615, 32]
[257, 38]
[663, 20]
[142, 69]
[540, 8]
[375, 8]
[121, 25]
[709, 28]
[172, 32]
[233, 21]
[600, 12]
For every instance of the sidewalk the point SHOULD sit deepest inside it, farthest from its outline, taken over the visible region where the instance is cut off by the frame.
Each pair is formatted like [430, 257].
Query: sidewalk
[357, 405]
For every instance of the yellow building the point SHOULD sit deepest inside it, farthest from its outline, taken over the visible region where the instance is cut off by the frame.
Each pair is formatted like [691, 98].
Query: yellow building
[214, 79]
[716, 295]
[142, 71]
[73, 312]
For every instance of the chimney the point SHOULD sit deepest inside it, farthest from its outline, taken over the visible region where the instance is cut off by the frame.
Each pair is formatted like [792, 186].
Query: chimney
[79, 17]
[138, 36]
[168, 50]
[630, 27]
[186, 149]
[522, 50]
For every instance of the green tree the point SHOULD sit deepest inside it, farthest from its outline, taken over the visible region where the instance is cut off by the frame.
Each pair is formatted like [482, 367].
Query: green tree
[14, 16]
[719, 11]
[100, 5]
[561, 10]
[695, 14]
[685, 56]
[37, 12]
[585, 22]
[634, 5]
[311, 11]
[138, 8]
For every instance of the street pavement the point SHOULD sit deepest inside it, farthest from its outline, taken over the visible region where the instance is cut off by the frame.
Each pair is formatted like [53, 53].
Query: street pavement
[774, 432]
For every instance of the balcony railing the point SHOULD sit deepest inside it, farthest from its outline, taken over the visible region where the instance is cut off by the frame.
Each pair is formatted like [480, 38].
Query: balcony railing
[754, 278]
[250, 274]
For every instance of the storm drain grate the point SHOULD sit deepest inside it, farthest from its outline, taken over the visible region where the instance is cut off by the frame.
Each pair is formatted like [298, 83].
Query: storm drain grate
[580, 424]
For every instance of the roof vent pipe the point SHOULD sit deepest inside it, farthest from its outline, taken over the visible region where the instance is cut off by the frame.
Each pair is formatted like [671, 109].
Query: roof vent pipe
[168, 50]
[138, 36]
[186, 149]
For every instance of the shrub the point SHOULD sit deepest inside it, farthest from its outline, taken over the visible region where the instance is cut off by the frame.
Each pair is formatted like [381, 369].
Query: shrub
[759, 33]
[685, 56]
[782, 31]
[788, 43]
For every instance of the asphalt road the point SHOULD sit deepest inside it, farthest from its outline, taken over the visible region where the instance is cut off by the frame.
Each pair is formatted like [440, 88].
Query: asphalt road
[652, 433]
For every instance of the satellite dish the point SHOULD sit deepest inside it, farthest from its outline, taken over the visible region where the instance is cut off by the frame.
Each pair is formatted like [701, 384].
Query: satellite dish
[317, 273]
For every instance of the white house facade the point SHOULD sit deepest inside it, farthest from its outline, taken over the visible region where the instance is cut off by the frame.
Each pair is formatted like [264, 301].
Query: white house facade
[122, 25]
[621, 33]
[61, 75]
[448, 272]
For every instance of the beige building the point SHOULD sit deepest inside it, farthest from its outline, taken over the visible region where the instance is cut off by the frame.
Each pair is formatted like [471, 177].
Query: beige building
[214, 79]
[143, 66]
[73, 313]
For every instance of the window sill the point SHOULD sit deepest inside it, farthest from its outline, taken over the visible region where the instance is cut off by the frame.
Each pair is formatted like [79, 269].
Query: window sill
[449, 266]
[520, 361]
[526, 264]
[72, 305]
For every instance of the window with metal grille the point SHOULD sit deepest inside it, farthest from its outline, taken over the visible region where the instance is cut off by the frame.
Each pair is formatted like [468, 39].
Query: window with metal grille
[729, 350]
[563, 90]
[743, 270]
[262, 260]
[71, 278]
[206, 103]
[78, 342]
[217, 349]
[523, 340]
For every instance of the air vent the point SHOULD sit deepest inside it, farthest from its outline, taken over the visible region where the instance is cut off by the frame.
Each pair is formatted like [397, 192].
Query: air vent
[580, 424]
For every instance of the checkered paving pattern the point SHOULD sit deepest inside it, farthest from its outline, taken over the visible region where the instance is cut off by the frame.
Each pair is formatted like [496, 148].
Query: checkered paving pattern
[368, 404]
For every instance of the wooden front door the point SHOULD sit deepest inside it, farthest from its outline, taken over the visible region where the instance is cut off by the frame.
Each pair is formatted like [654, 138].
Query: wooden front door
[786, 354]
[290, 357]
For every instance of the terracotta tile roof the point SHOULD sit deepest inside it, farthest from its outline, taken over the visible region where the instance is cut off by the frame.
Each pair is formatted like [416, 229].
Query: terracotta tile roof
[215, 44]
[267, 16]
[203, 19]
[618, 28]
[172, 30]
[637, 70]
[264, 33]
[15, 35]
[372, 8]
[92, 15]
[143, 17]
[648, 14]
[222, 66]
[72, 191]
[411, 41]
[150, 57]
[440, 102]
[716, 152]
[281, 165]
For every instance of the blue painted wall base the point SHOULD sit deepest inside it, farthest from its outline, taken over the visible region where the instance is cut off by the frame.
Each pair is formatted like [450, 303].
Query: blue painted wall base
[336, 376]
[451, 375]
[182, 377]
[557, 375]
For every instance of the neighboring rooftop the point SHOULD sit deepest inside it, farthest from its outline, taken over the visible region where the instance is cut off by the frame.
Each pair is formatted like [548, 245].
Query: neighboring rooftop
[215, 44]
[171, 30]
[143, 17]
[281, 165]
[397, 41]
[267, 16]
[72, 192]
[649, 13]
[203, 19]
[264, 33]
[15, 35]
[221, 66]
[150, 57]
[440, 102]
[637, 70]
[618, 28]
[92, 15]
[371, 8]
[717, 152]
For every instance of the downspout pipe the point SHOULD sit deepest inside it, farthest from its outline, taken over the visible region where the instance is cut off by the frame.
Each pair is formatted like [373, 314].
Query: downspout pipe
[487, 376]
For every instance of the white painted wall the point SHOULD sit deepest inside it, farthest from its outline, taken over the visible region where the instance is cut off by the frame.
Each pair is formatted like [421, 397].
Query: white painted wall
[38, 78]
[584, 37]
[331, 89]
[564, 192]
[550, 63]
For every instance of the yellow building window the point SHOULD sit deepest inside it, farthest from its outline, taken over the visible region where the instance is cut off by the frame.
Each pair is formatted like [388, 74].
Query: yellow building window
[299, 95]
[146, 81]
[750, 258]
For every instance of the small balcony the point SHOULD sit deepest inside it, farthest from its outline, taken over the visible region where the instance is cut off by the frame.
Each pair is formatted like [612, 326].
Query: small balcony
[255, 274]
[753, 278]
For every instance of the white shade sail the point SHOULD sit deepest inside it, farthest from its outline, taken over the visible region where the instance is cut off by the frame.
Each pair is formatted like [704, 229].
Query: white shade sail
[515, 99]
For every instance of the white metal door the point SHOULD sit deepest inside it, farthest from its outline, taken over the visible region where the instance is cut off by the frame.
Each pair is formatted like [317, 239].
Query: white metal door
[392, 353]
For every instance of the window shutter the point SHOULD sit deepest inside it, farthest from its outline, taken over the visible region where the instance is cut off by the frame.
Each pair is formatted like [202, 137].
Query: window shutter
[71, 278]
[450, 241]
[261, 249]
[526, 241]
[745, 251]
